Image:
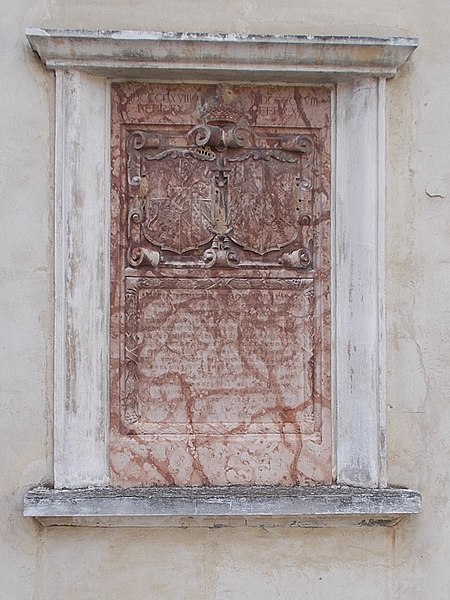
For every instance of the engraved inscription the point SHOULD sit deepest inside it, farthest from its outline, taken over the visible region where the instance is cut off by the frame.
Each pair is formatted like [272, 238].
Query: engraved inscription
[255, 364]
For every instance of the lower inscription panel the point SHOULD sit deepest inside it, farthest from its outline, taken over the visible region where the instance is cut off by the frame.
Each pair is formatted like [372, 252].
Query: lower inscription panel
[222, 384]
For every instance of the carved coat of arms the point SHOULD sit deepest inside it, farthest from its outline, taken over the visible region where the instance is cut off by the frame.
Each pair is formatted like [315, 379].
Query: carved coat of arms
[220, 193]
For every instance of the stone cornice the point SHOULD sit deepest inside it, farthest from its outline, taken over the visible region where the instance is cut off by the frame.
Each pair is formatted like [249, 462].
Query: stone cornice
[138, 54]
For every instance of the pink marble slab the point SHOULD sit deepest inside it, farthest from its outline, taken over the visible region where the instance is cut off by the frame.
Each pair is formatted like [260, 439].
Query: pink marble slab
[220, 320]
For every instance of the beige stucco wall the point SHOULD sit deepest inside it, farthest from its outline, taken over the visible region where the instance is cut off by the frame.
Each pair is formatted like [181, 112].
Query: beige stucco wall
[408, 562]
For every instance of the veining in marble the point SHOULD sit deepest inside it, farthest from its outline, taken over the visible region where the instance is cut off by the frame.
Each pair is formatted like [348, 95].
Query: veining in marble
[220, 324]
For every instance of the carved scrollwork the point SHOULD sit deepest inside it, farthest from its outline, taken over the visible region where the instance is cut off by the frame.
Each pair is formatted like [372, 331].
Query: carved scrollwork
[136, 216]
[219, 137]
[297, 143]
[137, 254]
[305, 220]
[306, 185]
[298, 259]
[137, 141]
[221, 253]
[140, 256]
[198, 153]
[238, 136]
[147, 139]
[133, 341]
[264, 155]
[204, 135]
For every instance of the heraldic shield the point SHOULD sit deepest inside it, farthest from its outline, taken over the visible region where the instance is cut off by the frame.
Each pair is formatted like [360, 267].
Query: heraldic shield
[179, 205]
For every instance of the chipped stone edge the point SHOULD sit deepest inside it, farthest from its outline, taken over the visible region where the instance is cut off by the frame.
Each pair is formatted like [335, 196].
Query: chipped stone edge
[211, 56]
[234, 506]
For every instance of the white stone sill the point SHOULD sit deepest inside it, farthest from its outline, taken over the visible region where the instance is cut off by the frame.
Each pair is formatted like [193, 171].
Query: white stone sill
[234, 506]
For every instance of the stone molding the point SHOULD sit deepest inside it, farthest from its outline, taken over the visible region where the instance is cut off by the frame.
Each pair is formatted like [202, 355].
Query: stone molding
[84, 63]
[219, 56]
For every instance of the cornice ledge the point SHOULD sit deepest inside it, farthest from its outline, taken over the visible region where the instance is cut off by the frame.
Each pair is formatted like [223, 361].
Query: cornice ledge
[233, 506]
[139, 54]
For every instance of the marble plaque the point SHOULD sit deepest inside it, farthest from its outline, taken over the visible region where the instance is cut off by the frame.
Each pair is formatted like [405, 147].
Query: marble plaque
[220, 320]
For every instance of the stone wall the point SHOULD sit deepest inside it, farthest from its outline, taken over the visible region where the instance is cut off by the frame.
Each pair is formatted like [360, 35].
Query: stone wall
[409, 561]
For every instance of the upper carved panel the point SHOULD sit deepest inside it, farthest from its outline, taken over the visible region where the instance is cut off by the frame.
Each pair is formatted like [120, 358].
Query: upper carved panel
[223, 177]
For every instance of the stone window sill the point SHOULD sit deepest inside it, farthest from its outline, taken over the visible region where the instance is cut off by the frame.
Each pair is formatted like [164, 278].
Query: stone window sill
[222, 506]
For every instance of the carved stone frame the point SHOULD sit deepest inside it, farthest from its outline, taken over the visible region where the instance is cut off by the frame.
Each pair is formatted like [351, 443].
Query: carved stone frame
[85, 63]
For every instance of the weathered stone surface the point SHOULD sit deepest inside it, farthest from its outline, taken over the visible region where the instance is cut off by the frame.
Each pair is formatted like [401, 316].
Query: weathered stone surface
[222, 506]
[139, 53]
